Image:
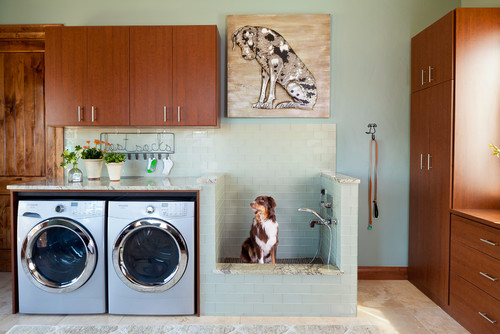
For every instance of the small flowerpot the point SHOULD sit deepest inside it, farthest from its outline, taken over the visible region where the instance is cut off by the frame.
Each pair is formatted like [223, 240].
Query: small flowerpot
[93, 168]
[114, 170]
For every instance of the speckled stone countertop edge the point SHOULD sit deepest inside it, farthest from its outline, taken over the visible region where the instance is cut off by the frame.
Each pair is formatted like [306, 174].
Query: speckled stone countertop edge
[125, 184]
[340, 178]
[277, 269]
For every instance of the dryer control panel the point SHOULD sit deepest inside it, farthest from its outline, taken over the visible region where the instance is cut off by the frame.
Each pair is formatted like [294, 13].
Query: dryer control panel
[163, 209]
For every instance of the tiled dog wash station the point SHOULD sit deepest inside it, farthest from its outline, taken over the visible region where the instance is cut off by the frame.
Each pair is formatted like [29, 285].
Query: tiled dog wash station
[238, 163]
[289, 170]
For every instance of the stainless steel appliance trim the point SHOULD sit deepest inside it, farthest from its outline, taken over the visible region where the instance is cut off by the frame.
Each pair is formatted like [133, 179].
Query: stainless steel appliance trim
[121, 269]
[29, 265]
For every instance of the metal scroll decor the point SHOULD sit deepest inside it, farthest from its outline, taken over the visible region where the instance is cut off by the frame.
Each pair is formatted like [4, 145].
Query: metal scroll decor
[141, 142]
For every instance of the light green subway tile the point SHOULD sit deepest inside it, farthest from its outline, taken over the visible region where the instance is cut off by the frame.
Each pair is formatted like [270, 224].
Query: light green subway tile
[293, 298]
[274, 298]
[255, 298]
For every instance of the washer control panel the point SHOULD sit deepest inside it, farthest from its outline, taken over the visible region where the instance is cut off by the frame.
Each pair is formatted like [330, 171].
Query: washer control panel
[173, 209]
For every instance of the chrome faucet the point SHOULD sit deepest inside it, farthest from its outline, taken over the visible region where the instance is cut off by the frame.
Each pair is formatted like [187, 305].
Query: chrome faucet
[321, 219]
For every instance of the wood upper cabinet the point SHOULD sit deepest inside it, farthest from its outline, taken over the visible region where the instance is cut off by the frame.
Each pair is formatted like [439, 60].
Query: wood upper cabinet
[172, 73]
[196, 75]
[432, 54]
[174, 76]
[151, 75]
[87, 76]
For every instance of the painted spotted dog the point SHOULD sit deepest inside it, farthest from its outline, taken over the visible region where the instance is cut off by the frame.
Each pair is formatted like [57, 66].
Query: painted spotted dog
[280, 64]
[262, 244]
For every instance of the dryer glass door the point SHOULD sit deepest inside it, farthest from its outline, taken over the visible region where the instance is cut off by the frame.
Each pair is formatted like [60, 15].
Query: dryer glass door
[150, 255]
[58, 255]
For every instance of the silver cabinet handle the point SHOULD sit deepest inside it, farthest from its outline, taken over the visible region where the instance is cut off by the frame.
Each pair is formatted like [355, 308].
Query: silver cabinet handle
[93, 111]
[489, 242]
[429, 157]
[421, 161]
[487, 318]
[164, 113]
[494, 279]
[423, 77]
[79, 114]
[178, 114]
[430, 74]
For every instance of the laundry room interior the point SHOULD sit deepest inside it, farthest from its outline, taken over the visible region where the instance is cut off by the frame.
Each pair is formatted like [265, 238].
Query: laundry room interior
[138, 141]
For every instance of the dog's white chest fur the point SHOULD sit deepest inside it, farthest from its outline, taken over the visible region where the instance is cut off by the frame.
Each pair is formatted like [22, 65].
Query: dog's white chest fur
[271, 230]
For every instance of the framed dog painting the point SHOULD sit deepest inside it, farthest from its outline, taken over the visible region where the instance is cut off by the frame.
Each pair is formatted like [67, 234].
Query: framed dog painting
[278, 65]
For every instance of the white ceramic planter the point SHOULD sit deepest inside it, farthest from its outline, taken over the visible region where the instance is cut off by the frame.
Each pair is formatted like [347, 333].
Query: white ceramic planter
[114, 170]
[93, 168]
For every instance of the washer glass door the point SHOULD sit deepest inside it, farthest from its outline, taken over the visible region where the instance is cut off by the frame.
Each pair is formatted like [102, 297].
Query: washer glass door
[150, 255]
[58, 255]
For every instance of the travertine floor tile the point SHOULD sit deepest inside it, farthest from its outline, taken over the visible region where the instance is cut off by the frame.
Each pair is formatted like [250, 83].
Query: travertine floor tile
[392, 306]
[438, 321]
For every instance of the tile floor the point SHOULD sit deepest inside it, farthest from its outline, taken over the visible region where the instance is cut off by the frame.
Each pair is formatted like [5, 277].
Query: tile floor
[393, 306]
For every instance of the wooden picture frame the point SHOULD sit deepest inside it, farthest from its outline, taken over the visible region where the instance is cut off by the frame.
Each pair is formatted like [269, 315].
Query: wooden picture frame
[278, 65]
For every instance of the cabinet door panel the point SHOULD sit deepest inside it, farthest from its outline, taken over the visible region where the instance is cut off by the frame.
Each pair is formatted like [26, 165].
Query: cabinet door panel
[108, 75]
[5, 242]
[419, 146]
[432, 54]
[195, 73]
[151, 75]
[440, 63]
[66, 76]
[21, 114]
[440, 128]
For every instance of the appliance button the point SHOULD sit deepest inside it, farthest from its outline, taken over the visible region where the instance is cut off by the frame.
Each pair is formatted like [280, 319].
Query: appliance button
[150, 209]
[59, 208]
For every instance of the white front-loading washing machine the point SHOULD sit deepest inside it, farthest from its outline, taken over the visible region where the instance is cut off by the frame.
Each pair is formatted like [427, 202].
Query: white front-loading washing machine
[61, 256]
[151, 258]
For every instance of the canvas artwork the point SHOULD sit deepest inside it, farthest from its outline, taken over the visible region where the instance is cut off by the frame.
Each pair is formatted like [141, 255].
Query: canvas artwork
[278, 65]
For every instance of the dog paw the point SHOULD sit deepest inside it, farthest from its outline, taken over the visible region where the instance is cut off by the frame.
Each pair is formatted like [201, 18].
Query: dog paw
[262, 105]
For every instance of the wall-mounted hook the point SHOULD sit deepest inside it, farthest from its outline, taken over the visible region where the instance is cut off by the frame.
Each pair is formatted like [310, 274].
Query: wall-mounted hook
[371, 130]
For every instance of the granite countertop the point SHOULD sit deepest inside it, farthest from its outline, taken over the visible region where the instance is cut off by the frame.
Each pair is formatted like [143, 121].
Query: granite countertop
[340, 178]
[127, 183]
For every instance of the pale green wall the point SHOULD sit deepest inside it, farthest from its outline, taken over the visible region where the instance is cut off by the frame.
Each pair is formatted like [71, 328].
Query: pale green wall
[480, 3]
[369, 79]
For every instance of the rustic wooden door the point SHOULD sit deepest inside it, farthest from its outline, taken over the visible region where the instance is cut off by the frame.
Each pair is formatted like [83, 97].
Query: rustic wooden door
[151, 76]
[66, 76]
[108, 75]
[28, 149]
[195, 75]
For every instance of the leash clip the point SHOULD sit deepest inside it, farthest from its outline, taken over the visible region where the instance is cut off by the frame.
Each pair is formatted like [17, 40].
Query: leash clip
[371, 130]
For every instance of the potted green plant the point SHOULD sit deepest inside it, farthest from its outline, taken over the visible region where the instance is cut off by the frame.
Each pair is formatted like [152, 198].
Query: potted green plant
[71, 159]
[114, 162]
[496, 150]
[92, 157]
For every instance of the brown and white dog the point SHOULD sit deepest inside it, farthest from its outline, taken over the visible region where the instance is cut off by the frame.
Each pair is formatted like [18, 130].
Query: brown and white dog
[262, 244]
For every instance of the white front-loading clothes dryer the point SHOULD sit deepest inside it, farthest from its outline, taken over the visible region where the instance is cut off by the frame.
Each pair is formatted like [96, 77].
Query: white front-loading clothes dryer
[151, 258]
[61, 256]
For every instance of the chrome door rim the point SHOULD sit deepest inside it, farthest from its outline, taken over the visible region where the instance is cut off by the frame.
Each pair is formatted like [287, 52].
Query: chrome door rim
[121, 269]
[29, 265]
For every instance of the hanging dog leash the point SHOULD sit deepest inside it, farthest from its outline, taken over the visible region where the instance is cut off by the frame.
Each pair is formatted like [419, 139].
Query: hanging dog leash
[373, 184]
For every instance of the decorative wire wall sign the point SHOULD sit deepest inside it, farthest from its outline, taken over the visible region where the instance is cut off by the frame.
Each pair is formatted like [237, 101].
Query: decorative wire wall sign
[149, 143]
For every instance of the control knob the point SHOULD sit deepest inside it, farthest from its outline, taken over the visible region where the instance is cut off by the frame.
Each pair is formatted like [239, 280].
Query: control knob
[150, 209]
[59, 208]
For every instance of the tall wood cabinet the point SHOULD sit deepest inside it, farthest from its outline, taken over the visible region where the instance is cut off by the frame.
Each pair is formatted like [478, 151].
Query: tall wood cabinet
[455, 114]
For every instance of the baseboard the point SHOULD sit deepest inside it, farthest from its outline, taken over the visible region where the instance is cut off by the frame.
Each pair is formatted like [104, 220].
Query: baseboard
[382, 273]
